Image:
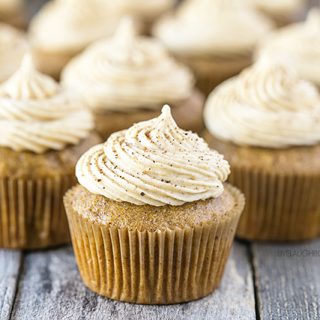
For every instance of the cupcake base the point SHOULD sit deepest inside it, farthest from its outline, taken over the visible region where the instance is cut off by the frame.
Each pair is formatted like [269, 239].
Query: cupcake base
[165, 266]
[188, 115]
[210, 71]
[281, 189]
[32, 214]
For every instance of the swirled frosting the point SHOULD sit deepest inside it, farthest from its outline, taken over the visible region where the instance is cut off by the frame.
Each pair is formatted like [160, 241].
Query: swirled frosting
[154, 162]
[13, 46]
[128, 72]
[299, 44]
[36, 114]
[70, 25]
[267, 105]
[276, 8]
[227, 27]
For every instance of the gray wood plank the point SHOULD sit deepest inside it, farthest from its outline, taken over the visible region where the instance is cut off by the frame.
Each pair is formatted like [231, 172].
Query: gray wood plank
[51, 288]
[10, 263]
[288, 280]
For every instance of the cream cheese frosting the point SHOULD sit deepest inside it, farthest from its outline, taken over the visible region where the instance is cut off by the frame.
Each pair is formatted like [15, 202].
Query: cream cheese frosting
[267, 105]
[298, 43]
[70, 25]
[220, 27]
[153, 162]
[128, 72]
[13, 46]
[37, 114]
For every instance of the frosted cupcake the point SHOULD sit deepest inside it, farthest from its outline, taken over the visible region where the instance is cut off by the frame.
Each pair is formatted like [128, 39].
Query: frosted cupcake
[44, 130]
[12, 12]
[299, 44]
[266, 122]
[13, 46]
[63, 28]
[216, 38]
[127, 79]
[152, 221]
[281, 12]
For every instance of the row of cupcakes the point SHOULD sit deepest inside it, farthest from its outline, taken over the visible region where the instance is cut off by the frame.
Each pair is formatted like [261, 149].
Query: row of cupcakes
[222, 44]
[152, 219]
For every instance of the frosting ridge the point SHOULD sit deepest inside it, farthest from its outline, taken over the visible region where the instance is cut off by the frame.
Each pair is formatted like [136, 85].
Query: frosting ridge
[267, 105]
[128, 72]
[153, 162]
[37, 115]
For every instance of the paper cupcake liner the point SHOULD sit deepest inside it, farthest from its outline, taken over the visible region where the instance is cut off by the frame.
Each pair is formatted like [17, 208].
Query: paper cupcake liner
[279, 207]
[32, 214]
[161, 267]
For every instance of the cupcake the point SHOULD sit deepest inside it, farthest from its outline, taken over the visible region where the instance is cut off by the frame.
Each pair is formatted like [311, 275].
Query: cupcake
[62, 29]
[44, 130]
[266, 122]
[152, 221]
[281, 12]
[13, 46]
[216, 38]
[12, 12]
[127, 78]
[299, 44]
[144, 11]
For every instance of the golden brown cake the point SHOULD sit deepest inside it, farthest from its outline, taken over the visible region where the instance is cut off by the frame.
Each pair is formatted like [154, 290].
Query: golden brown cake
[62, 29]
[298, 44]
[152, 221]
[44, 130]
[282, 12]
[221, 45]
[266, 123]
[12, 12]
[127, 79]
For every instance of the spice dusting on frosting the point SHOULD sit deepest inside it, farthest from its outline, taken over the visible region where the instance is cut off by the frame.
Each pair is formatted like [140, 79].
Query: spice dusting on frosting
[154, 162]
[128, 72]
[37, 114]
[267, 105]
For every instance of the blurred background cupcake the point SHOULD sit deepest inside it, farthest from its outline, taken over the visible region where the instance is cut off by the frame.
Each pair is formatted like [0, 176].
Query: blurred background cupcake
[266, 122]
[299, 45]
[216, 38]
[44, 130]
[127, 78]
[13, 46]
[282, 12]
[63, 28]
[13, 12]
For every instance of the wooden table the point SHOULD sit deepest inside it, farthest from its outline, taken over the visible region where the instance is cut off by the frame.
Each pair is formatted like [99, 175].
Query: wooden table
[261, 281]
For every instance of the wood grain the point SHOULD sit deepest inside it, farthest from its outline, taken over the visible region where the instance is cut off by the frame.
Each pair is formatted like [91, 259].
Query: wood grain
[10, 263]
[51, 288]
[288, 280]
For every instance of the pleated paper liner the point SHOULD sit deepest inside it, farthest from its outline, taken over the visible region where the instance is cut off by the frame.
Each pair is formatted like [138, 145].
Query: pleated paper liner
[32, 214]
[161, 267]
[279, 207]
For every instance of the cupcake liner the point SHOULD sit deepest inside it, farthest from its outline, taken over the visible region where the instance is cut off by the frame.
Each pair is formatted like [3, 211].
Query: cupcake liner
[162, 267]
[32, 215]
[279, 206]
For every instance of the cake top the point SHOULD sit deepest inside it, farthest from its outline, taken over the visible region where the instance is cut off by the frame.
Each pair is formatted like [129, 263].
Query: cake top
[13, 46]
[298, 43]
[267, 105]
[79, 21]
[128, 72]
[37, 114]
[213, 27]
[154, 162]
[9, 7]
